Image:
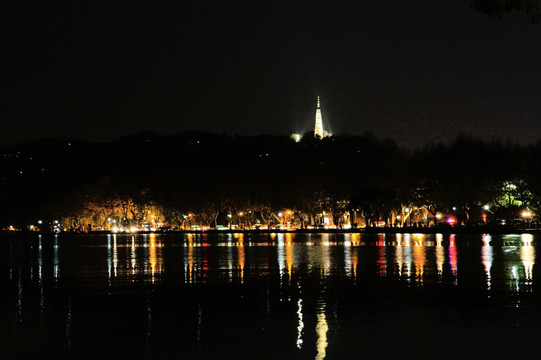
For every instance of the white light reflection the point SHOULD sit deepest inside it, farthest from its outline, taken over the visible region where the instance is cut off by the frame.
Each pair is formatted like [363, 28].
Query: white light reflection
[31, 262]
[487, 256]
[404, 256]
[11, 262]
[190, 270]
[68, 325]
[347, 255]
[133, 257]
[325, 258]
[230, 258]
[527, 256]
[40, 279]
[148, 324]
[19, 313]
[199, 324]
[109, 262]
[300, 325]
[280, 249]
[115, 256]
[399, 253]
[515, 284]
[56, 261]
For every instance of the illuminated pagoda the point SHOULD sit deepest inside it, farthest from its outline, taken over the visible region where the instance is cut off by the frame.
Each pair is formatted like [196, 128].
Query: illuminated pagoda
[318, 128]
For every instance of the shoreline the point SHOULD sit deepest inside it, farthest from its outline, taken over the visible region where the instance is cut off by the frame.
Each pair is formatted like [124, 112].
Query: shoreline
[500, 230]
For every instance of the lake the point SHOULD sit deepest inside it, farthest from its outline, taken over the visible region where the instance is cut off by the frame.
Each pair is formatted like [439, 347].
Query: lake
[268, 296]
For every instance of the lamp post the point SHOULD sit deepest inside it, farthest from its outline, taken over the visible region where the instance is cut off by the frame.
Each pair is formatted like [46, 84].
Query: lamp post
[525, 215]
[438, 216]
[240, 214]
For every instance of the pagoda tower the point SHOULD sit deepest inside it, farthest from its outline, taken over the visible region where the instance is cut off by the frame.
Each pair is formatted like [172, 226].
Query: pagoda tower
[318, 129]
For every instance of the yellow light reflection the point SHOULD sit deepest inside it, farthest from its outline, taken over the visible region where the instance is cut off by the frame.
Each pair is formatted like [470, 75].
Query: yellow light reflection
[418, 239]
[419, 258]
[440, 256]
[355, 239]
[190, 278]
[527, 256]
[321, 330]
[240, 245]
[289, 256]
[152, 255]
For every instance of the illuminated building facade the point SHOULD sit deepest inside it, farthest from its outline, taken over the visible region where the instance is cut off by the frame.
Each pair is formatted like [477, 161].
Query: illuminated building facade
[318, 128]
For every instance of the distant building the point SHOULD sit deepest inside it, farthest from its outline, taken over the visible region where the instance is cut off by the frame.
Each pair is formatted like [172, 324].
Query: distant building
[319, 132]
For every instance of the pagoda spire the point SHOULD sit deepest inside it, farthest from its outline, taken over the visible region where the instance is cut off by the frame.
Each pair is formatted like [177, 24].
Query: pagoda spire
[318, 128]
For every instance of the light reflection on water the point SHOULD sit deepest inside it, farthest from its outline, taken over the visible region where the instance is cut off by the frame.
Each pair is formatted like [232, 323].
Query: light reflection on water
[309, 270]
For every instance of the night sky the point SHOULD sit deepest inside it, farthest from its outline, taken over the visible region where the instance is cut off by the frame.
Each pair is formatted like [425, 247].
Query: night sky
[414, 71]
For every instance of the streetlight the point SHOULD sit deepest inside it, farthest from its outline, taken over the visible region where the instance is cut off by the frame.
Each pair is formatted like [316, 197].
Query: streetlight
[240, 214]
[526, 214]
[438, 217]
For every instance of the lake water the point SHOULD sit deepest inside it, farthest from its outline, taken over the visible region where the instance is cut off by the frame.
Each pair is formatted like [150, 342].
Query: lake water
[302, 296]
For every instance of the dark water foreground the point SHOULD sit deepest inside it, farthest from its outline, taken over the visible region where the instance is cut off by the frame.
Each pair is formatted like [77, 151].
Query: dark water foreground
[259, 296]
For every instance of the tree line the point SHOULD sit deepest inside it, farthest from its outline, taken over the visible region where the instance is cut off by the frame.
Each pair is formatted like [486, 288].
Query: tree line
[195, 179]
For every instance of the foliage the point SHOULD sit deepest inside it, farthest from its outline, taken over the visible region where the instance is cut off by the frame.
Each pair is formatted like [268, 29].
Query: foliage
[199, 179]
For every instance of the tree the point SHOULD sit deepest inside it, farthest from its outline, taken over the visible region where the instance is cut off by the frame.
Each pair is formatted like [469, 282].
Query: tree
[496, 9]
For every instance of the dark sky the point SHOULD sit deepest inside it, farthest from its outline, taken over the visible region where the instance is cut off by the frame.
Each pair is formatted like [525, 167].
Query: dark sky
[415, 71]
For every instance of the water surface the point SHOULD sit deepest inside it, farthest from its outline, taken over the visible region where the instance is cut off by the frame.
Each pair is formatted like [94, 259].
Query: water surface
[310, 296]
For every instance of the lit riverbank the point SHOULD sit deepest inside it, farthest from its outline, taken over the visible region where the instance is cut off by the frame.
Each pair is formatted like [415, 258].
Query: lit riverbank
[370, 230]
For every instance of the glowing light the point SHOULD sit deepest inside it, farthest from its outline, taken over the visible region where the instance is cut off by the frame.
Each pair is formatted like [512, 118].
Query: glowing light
[440, 257]
[321, 330]
[453, 257]
[527, 255]
[296, 137]
[486, 258]
[300, 325]
[419, 256]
